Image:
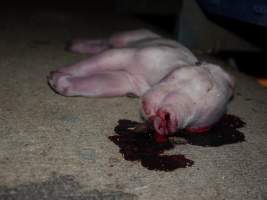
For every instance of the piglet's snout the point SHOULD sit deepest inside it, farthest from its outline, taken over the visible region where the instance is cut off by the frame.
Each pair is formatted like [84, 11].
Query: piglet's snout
[164, 124]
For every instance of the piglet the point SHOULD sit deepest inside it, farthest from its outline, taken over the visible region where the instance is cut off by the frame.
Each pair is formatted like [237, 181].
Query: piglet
[191, 98]
[176, 91]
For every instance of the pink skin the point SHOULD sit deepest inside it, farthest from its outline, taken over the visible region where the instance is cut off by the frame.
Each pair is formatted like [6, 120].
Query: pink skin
[88, 46]
[175, 93]
[139, 60]
[192, 98]
[118, 40]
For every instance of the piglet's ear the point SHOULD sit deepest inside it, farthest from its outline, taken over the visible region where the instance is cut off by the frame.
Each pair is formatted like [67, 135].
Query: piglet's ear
[220, 72]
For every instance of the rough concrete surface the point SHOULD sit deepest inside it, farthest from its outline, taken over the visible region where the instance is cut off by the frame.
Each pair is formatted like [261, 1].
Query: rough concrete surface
[54, 147]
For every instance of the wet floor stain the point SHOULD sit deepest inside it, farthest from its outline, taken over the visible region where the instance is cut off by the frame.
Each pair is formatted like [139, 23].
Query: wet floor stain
[63, 187]
[224, 132]
[141, 145]
[70, 119]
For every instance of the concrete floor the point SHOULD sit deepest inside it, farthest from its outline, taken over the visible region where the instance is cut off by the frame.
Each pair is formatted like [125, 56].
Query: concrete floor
[54, 147]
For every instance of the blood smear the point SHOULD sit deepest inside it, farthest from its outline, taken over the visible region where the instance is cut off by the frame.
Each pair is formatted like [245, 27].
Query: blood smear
[143, 147]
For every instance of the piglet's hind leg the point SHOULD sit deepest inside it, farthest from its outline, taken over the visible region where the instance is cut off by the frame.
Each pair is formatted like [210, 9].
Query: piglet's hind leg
[106, 84]
[105, 61]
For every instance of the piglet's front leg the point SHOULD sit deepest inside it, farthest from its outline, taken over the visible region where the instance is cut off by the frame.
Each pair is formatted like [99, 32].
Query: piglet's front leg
[85, 46]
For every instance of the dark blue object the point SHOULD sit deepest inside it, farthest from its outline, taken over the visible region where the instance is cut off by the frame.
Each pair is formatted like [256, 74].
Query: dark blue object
[252, 11]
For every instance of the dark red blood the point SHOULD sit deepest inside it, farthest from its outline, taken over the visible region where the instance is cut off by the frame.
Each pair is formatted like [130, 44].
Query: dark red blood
[231, 121]
[198, 130]
[143, 147]
[159, 138]
[166, 162]
[148, 149]
[224, 132]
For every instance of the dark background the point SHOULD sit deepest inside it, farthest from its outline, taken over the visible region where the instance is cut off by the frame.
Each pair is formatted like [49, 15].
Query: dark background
[163, 15]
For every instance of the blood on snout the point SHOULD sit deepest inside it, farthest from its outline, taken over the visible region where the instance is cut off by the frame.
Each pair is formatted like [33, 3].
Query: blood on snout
[161, 121]
[170, 124]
